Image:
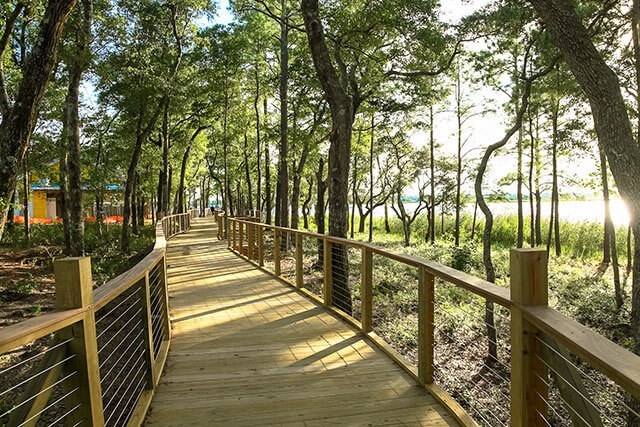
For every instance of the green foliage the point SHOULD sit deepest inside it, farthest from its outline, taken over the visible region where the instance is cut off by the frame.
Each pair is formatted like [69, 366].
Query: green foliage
[107, 260]
[577, 286]
[41, 235]
[26, 286]
[462, 257]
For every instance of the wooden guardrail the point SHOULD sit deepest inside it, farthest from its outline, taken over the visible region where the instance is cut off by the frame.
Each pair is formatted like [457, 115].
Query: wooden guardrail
[98, 358]
[549, 361]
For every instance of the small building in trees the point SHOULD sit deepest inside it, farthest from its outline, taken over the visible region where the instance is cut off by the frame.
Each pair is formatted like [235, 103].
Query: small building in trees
[45, 200]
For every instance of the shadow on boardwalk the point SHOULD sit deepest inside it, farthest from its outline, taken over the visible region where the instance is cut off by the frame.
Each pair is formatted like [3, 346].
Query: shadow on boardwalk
[250, 350]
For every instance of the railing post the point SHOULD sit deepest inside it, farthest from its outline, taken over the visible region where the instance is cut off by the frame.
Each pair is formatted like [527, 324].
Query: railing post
[327, 290]
[233, 234]
[225, 232]
[426, 338]
[276, 251]
[148, 337]
[250, 241]
[529, 286]
[241, 245]
[261, 245]
[74, 289]
[299, 260]
[166, 319]
[366, 289]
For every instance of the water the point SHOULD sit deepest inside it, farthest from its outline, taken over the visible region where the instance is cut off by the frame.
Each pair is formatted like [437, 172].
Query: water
[571, 211]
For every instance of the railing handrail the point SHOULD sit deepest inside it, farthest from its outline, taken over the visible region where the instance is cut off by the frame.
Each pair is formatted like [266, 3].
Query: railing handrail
[15, 335]
[78, 305]
[615, 361]
[467, 281]
[609, 358]
[18, 334]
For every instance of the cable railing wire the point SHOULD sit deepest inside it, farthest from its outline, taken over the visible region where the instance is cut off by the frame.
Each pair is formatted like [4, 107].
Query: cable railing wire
[40, 354]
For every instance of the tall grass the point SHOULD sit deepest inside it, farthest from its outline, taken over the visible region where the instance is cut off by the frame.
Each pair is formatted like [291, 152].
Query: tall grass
[582, 240]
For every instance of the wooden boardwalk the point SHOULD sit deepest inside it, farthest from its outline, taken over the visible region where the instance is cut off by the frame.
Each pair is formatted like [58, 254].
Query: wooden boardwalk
[248, 350]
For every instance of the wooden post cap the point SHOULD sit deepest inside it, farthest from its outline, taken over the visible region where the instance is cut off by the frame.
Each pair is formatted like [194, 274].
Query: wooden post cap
[529, 276]
[74, 288]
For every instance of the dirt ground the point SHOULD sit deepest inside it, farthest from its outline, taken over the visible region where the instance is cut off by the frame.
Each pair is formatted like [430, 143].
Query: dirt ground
[26, 284]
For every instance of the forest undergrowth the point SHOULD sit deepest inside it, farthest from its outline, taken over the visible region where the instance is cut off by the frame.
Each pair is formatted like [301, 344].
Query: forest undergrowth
[580, 286]
[26, 277]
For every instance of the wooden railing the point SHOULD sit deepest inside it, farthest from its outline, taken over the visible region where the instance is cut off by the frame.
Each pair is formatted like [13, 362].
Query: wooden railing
[98, 358]
[553, 370]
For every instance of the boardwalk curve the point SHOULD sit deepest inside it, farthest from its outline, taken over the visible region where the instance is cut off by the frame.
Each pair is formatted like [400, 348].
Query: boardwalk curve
[250, 350]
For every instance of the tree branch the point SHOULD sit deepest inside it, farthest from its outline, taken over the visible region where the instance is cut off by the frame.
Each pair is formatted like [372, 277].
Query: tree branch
[4, 42]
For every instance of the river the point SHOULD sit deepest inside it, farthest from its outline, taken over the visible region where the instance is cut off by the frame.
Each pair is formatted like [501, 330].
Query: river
[572, 211]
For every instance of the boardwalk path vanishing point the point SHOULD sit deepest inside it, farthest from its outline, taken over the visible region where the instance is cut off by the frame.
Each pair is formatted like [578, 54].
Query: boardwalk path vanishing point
[248, 349]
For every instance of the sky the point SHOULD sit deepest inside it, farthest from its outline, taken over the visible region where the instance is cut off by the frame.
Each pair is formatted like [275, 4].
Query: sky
[224, 15]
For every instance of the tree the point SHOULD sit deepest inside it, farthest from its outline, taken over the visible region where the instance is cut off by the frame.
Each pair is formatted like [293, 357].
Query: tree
[486, 257]
[70, 167]
[612, 123]
[408, 167]
[19, 118]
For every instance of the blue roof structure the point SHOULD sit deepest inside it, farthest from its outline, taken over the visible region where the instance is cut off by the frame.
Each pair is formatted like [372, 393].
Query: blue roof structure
[44, 185]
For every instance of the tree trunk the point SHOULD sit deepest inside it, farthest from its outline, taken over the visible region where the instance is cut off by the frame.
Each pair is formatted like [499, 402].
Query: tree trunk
[282, 189]
[134, 206]
[297, 182]
[475, 217]
[25, 198]
[305, 204]
[18, 124]
[267, 172]
[159, 191]
[555, 196]
[373, 127]
[519, 182]
[320, 208]
[609, 244]
[432, 168]
[538, 193]
[227, 204]
[247, 171]
[99, 216]
[387, 228]
[427, 235]
[166, 196]
[256, 103]
[342, 117]
[295, 199]
[486, 253]
[11, 213]
[363, 215]
[183, 169]
[141, 203]
[73, 199]
[354, 184]
[183, 173]
[612, 123]
[608, 223]
[532, 214]
[456, 230]
[128, 194]
[142, 134]
[64, 180]
[406, 228]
